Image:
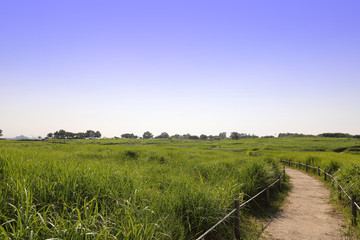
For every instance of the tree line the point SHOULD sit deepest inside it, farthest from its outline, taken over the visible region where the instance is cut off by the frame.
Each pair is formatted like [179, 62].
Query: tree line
[62, 134]
[149, 135]
[222, 135]
[233, 136]
[330, 135]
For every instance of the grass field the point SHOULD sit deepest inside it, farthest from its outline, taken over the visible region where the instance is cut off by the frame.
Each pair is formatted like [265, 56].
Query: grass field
[148, 189]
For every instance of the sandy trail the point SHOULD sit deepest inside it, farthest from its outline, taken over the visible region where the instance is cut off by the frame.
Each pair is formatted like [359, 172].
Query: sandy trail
[307, 213]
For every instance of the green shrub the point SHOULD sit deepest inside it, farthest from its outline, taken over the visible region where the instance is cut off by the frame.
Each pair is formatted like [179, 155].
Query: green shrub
[131, 154]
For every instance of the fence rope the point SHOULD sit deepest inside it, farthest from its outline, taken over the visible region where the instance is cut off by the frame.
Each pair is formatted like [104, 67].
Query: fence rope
[219, 222]
[274, 182]
[240, 206]
[330, 176]
[312, 167]
[357, 205]
[342, 188]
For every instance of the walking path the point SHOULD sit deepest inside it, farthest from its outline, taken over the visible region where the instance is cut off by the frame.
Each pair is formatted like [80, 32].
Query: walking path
[307, 212]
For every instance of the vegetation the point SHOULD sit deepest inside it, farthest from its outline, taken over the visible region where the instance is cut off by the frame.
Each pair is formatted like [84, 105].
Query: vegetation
[203, 137]
[148, 135]
[335, 135]
[84, 190]
[129, 135]
[160, 188]
[0, 133]
[163, 135]
[62, 134]
[237, 136]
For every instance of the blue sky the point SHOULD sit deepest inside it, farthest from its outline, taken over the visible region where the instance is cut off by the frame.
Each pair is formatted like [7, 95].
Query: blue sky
[260, 67]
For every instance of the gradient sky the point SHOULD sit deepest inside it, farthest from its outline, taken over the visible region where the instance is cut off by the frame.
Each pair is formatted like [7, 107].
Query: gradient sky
[258, 67]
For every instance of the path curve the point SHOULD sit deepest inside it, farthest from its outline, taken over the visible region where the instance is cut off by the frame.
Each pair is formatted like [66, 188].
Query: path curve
[307, 212]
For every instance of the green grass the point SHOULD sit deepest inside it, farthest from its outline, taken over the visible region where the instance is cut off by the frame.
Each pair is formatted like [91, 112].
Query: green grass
[92, 191]
[285, 144]
[151, 189]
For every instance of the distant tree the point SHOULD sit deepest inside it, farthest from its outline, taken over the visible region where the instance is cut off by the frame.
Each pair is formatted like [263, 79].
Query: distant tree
[186, 136]
[80, 135]
[115, 137]
[270, 136]
[235, 135]
[163, 135]
[193, 137]
[176, 136]
[90, 134]
[129, 135]
[211, 137]
[291, 135]
[302, 135]
[56, 134]
[335, 135]
[0, 132]
[203, 137]
[148, 135]
[222, 135]
[356, 136]
[69, 135]
[97, 134]
[61, 134]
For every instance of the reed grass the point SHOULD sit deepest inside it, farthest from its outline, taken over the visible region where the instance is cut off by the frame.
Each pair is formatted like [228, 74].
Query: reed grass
[96, 191]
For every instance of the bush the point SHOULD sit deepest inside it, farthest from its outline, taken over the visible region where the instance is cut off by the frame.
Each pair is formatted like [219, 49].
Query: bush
[131, 154]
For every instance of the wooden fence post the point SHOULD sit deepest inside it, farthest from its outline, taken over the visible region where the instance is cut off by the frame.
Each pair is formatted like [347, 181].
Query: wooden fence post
[289, 163]
[325, 175]
[318, 171]
[280, 184]
[339, 192]
[284, 175]
[267, 197]
[306, 167]
[237, 219]
[353, 209]
[299, 165]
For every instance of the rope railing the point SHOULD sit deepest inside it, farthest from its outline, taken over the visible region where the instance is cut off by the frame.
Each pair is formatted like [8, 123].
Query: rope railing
[357, 205]
[275, 182]
[329, 175]
[352, 198]
[312, 167]
[342, 189]
[237, 208]
[218, 223]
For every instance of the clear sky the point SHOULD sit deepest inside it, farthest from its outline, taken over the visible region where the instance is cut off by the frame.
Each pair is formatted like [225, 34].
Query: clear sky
[179, 66]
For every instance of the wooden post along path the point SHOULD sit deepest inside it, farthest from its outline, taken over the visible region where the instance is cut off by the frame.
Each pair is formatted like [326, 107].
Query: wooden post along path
[353, 210]
[237, 219]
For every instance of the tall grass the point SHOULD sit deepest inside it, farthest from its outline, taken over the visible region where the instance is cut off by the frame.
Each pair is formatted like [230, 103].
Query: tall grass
[91, 191]
[148, 189]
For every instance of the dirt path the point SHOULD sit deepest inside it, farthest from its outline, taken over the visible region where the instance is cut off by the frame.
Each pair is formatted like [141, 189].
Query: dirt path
[307, 213]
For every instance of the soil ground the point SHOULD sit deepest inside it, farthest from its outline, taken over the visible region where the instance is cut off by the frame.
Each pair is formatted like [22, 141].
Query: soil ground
[307, 212]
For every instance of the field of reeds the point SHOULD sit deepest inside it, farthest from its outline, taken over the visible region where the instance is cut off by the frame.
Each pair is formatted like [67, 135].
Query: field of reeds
[148, 189]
